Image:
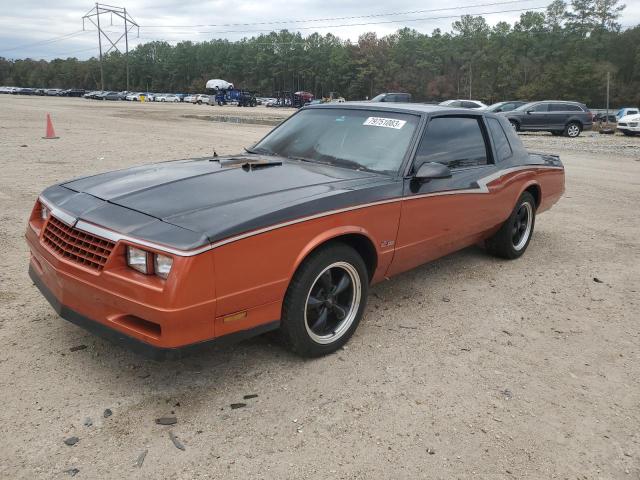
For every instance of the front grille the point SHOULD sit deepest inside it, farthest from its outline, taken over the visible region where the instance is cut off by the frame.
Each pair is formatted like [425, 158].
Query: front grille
[622, 124]
[76, 245]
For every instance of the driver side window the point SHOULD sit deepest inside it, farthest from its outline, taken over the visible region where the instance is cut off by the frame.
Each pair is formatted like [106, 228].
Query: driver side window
[456, 142]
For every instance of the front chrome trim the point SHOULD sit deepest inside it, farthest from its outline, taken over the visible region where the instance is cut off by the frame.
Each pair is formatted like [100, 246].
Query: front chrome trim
[61, 215]
[115, 236]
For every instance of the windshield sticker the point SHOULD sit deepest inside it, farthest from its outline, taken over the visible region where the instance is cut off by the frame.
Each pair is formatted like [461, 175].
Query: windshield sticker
[385, 122]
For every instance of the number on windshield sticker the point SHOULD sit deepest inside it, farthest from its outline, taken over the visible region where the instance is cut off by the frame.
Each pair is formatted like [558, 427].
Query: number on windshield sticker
[385, 122]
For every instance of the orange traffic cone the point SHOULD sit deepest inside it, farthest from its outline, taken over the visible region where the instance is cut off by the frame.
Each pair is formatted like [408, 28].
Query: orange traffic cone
[51, 134]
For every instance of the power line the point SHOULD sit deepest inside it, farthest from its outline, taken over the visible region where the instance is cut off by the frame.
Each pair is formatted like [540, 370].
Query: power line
[319, 27]
[45, 42]
[374, 15]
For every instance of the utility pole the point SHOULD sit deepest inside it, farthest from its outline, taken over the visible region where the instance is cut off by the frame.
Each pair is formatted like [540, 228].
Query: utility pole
[129, 24]
[99, 49]
[608, 78]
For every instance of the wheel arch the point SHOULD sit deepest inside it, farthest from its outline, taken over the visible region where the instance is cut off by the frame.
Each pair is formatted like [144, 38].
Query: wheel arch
[356, 237]
[575, 120]
[535, 190]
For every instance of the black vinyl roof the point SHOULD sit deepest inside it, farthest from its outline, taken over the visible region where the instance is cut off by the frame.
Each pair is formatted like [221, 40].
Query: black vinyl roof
[415, 108]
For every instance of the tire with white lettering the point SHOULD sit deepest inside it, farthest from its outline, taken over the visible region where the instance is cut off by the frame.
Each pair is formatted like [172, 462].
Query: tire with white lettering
[325, 301]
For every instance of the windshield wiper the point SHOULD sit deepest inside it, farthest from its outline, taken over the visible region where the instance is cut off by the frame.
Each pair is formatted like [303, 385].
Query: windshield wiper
[350, 164]
[302, 159]
[341, 162]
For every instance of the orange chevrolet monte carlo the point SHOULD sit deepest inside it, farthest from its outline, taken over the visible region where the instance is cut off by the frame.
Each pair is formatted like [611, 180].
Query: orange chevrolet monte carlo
[167, 257]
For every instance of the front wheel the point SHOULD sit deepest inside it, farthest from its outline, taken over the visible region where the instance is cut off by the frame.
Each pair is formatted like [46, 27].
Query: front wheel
[325, 301]
[515, 125]
[513, 238]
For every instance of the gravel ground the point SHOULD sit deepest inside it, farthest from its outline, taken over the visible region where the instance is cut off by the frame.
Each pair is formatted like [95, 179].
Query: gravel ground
[469, 367]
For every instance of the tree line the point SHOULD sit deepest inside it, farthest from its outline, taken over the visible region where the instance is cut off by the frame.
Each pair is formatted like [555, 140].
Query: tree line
[564, 52]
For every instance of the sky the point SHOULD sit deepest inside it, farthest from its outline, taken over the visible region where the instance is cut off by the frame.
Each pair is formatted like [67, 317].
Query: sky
[47, 29]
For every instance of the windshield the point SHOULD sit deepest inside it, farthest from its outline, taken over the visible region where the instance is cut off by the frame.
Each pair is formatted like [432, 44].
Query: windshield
[360, 139]
[378, 98]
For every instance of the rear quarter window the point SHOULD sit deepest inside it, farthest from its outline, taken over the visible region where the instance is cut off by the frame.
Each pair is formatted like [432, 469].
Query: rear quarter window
[565, 107]
[500, 141]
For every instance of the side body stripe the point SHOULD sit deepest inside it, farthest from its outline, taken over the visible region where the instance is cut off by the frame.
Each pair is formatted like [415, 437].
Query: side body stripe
[115, 236]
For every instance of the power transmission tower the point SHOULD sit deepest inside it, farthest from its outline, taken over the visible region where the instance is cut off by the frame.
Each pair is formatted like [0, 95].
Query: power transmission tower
[129, 24]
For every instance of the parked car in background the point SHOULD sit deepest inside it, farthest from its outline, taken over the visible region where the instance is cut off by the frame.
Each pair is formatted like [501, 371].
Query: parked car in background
[72, 92]
[110, 96]
[629, 125]
[132, 96]
[53, 92]
[288, 235]
[623, 112]
[27, 91]
[558, 117]
[191, 98]
[602, 117]
[392, 97]
[170, 98]
[472, 104]
[202, 98]
[218, 84]
[504, 106]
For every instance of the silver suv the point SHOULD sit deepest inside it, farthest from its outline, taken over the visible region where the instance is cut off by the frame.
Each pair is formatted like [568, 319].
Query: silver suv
[557, 117]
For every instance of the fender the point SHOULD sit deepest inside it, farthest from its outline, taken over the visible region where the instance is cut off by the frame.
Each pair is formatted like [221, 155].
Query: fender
[329, 235]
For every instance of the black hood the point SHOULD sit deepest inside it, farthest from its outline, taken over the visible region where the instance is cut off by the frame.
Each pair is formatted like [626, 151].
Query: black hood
[221, 197]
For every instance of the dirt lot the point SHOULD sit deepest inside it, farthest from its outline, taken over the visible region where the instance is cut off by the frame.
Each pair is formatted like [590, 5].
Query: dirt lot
[469, 367]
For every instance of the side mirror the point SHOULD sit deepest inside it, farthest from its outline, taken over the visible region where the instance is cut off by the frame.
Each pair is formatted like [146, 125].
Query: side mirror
[430, 170]
[529, 112]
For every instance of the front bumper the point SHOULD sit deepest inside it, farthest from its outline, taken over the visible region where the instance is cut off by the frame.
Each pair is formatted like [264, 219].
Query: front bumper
[157, 318]
[633, 127]
[138, 346]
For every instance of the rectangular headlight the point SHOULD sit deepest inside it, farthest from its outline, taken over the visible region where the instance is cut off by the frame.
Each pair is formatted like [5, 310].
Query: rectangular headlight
[137, 259]
[44, 211]
[162, 265]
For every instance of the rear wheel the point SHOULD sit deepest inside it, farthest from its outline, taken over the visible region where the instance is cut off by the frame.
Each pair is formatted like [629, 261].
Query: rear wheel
[572, 129]
[515, 234]
[325, 301]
